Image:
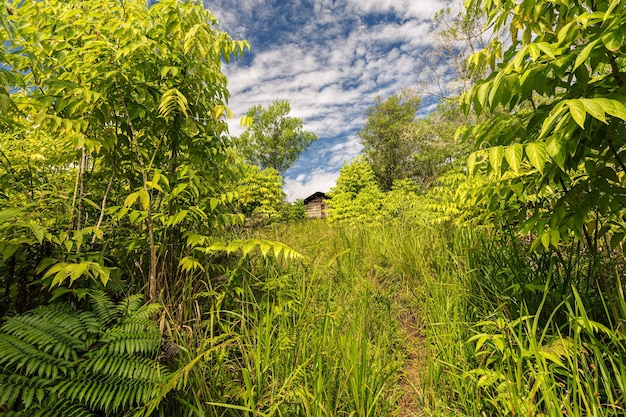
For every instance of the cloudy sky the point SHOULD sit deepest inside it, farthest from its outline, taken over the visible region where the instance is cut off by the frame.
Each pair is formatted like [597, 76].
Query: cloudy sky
[330, 59]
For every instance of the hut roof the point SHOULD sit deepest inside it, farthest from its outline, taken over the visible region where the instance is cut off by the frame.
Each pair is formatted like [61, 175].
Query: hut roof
[315, 195]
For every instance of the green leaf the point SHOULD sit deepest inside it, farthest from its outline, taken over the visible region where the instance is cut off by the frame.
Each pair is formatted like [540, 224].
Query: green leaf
[265, 248]
[130, 199]
[38, 230]
[471, 163]
[614, 39]
[556, 150]
[496, 154]
[144, 198]
[483, 92]
[594, 108]
[77, 270]
[536, 152]
[578, 111]
[513, 155]
[616, 239]
[613, 107]
[584, 54]
[8, 214]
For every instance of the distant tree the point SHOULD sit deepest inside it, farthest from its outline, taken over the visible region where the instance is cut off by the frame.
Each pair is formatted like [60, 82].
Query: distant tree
[436, 149]
[460, 32]
[274, 140]
[389, 137]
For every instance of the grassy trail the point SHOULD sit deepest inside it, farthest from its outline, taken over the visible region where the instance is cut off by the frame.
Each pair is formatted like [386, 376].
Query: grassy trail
[374, 302]
[397, 321]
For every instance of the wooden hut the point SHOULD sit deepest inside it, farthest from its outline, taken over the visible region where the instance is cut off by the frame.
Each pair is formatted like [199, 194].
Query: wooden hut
[316, 207]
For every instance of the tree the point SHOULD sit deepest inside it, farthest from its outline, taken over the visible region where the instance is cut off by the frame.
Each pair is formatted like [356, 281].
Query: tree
[389, 137]
[274, 140]
[557, 160]
[139, 107]
[437, 151]
[459, 33]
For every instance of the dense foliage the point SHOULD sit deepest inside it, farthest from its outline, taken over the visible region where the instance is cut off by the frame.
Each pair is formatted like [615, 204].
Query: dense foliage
[260, 194]
[142, 160]
[554, 144]
[418, 296]
[60, 362]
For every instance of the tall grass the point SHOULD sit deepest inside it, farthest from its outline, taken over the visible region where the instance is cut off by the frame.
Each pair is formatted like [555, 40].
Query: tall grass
[492, 328]
[516, 332]
[307, 338]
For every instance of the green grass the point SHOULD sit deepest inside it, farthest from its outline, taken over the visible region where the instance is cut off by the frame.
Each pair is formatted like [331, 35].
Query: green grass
[501, 330]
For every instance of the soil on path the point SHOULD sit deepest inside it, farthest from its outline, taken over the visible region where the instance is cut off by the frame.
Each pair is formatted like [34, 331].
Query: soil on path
[411, 385]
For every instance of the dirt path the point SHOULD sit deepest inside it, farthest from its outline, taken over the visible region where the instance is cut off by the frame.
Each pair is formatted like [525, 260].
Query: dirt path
[414, 367]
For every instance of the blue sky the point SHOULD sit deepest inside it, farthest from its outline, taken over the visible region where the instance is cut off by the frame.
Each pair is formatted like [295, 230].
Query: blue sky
[330, 59]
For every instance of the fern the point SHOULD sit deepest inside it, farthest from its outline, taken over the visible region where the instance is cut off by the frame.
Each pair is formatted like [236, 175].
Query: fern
[58, 362]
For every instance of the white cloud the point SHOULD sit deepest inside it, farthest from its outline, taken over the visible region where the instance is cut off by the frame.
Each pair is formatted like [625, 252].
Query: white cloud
[330, 59]
[304, 186]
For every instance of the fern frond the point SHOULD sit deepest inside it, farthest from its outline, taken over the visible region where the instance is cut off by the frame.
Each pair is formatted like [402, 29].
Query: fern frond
[29, 389]
[147, 311]
[102, 306]
[129, 305]
[58, 362]
[123, 366]
[122, 342]
[45, 334]
[22, 357]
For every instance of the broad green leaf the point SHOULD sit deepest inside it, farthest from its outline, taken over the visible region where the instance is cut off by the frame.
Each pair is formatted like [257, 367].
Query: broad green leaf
[584, 54]
[513, 155]
[555, 117]
[613, 107]
[564, 32]
[471, 163]
[546, 48]
[144, 198]
[483, 92]
[177, 218]
[556, 150]
[103, 272]
[77, 270]
[496, 154]
[555, 237]
[578, 111]
[130, 200]
[536, 152]
[265, 248]
[614, 39]
[533, 51]
[616, 239]
[38, 230]
[9, 214]
[248, 247]
[594, 108]
[214, 202]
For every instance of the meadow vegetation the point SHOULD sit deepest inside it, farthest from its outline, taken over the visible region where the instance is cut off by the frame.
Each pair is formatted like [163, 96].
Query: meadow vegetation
[147, 270]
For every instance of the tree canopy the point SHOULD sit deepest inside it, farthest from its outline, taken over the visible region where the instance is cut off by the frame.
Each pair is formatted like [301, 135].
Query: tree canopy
[274, 139]
[389, 137]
